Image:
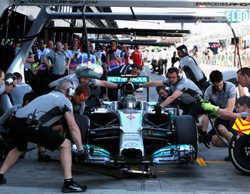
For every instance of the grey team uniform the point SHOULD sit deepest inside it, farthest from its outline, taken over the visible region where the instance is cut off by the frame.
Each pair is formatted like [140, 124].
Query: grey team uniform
[220, 98]
[185, 85]
[193, 71]
[187, 101]
[74, 80]
[92, 82]
[18, 93]
[59, 61]
[32, 123]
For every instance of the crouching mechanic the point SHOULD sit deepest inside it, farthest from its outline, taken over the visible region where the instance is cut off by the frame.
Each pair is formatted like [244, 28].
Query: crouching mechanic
[182, 89]
[32, 123]
[223, 94]
[242, 107]
[88, 75]
[82, 93]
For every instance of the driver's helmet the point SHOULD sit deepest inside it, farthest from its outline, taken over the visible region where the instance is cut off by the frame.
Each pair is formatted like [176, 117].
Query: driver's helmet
[89, 70]
[129, 88]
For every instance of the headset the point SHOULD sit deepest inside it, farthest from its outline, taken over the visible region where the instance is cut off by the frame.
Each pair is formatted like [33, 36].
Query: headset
[183, 49]
[165, 88]
[176, 70]
[10, 79]
[70, 91]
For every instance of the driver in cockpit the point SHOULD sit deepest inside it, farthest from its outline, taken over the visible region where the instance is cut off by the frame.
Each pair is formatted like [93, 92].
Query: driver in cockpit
[128, 99]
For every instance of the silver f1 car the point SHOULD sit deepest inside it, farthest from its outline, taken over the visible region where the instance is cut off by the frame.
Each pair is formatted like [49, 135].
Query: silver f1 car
[128, 132]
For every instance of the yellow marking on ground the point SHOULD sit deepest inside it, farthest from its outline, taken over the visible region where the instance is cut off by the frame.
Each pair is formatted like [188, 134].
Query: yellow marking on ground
[161, 171]
[215, 162]
[201, 162]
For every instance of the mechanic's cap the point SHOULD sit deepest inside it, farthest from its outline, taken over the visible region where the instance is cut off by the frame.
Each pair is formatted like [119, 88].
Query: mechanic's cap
[89, 71]
[182, 48]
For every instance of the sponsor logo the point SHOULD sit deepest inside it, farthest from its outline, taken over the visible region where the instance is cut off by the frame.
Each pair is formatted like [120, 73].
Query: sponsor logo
[117, 79]
[56, 2]
[221, 4]
[130, 117]
[235, 16]
[131, 144]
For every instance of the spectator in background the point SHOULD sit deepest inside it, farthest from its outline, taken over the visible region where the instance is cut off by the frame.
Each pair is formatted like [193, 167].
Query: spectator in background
[76, 42]
[83, 57]
[60, 62]
[66, 48]
[136, 56]
[113, 56]
[43, 73]
[99, 54]
[74, 54]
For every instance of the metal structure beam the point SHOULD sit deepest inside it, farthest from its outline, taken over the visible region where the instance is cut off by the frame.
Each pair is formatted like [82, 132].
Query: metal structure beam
[17, 64]
[138, 32]
[139, 42]
[228, 4]
[142, 16]
[4, 5]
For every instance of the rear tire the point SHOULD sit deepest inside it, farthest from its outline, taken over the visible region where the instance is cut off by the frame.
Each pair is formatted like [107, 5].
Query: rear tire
[186, 131]
[239, 151]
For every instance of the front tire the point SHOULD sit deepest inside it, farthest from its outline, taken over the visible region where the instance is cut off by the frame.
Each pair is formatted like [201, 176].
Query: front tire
[239, 151]
[186, 131]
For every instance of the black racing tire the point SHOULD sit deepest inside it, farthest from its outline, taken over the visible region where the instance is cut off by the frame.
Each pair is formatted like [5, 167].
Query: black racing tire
[186, 131]
[239, 151]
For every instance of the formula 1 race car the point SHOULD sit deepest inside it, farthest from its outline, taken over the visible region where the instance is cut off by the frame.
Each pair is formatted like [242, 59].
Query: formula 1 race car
[128, 132]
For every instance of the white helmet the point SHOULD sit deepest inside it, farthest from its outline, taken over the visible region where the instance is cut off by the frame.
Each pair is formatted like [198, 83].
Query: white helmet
[89, 70]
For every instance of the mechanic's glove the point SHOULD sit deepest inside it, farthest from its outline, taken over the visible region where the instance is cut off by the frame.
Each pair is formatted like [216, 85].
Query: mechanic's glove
[208, 107]
[204, 137]
[83, 155]
[157, 109]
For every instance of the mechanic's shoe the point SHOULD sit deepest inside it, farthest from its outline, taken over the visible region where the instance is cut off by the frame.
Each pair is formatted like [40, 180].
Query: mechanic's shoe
[2, 179]
[43, 157]
[228, 158]
[71, 186]
[204, 138]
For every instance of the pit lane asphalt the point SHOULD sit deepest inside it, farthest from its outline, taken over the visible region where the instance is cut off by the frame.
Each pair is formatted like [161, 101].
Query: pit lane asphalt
[217, 176]
[30, 176]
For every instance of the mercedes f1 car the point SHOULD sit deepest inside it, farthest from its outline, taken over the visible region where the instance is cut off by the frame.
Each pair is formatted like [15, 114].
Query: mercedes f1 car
[129, 132]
